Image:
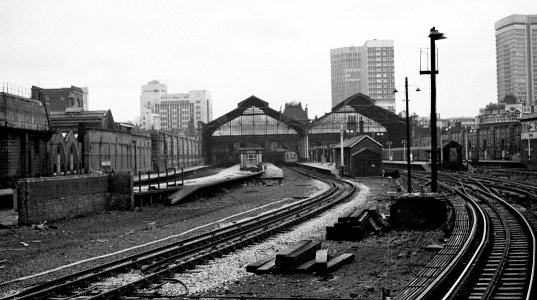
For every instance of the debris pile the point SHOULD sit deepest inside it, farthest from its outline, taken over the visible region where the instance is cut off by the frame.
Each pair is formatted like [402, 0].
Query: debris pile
[356, 224]
[303, 257]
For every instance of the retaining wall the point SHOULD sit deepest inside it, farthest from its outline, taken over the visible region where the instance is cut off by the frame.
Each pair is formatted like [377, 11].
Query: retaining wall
[64, 197]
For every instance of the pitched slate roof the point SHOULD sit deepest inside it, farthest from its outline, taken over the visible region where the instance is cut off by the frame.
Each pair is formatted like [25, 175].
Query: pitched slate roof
[350, 142]
[296, 112]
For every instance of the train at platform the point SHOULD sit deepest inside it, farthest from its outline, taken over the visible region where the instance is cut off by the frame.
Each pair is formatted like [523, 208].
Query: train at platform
[451, 157]
[422, 154]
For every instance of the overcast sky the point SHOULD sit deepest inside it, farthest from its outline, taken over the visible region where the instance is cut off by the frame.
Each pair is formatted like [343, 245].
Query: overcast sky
[276, 50]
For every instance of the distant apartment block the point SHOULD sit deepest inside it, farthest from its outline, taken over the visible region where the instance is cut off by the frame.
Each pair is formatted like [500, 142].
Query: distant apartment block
[173, 112]
[516, 59]
[368, 70]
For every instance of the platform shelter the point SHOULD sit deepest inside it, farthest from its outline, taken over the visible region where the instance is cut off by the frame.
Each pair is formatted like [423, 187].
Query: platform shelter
[250, 157]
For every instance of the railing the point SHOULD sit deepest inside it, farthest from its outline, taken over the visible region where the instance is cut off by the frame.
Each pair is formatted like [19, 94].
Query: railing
[17, 90]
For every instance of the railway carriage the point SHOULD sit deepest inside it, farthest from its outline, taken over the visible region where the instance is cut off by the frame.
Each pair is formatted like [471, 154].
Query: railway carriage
[290, 157]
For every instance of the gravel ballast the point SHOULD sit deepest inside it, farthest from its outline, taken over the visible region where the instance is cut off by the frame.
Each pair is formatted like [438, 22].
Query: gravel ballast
[376, 265]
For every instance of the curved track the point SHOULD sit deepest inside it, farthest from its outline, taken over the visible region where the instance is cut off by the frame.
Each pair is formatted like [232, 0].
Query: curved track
[501, 264]
[157, 266]
[505, 269]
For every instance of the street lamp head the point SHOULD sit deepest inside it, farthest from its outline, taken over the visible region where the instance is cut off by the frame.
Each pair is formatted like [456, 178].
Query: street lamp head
[418, 90]
[436, 35]
[395, 91]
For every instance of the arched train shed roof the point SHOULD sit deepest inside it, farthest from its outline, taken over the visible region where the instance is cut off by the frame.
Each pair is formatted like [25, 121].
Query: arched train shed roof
[365, 106]
[212, 126]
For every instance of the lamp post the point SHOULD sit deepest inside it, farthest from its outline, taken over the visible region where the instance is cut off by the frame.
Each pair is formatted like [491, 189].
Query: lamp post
[389, 150]
[433, 35]
[407, 141]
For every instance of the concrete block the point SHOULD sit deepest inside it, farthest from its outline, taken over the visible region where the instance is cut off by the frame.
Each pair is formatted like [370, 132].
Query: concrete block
[321, 261]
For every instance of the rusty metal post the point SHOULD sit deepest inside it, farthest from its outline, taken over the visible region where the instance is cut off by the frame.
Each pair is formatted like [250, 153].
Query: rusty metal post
[167, 178]
[182, 177]
[139, 181]
[175, 176]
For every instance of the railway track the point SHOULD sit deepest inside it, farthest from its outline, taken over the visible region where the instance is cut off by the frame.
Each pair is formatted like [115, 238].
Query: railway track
[505, 268]
[158, 266]
[501, 262]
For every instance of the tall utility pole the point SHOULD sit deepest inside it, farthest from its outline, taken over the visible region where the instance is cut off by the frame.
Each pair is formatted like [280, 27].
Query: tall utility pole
[408, 167]
[433, 35]
[341, 144]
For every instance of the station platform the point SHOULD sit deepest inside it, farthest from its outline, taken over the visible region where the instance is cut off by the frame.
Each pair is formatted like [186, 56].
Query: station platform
[226, 177]
[272, 172]
[326, 168]
[401, 164]
[153, 177]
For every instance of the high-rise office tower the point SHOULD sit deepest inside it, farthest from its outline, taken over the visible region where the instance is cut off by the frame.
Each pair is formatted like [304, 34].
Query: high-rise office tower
[346, 76]
[516, 59]
[368, 69]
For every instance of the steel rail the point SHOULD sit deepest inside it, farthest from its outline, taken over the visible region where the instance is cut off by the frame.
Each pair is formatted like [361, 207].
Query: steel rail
[126, 290]
[492, 287]
[437, 285]
[118, 266]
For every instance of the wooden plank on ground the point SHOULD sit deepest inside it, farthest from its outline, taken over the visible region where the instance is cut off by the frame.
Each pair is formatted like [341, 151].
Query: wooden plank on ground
[299, 256]
[332, 233]
[280, 256]
[345, 217]
[266, 268]
[306, 267]
[373, 226]
[340, 260]
[357, 215]
[253, 266]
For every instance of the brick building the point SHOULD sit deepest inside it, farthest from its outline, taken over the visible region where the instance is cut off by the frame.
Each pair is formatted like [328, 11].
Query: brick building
[24, 134]
[102, 144]
[62, 98]
[174, 151]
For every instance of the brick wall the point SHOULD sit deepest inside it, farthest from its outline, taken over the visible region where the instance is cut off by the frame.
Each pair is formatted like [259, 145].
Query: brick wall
[107, 150]
[62, 197]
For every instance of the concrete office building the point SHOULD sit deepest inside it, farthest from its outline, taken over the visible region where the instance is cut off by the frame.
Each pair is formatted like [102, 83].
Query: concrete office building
[173, 112]
[368, 69]
[151, 94]
[516, 59]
